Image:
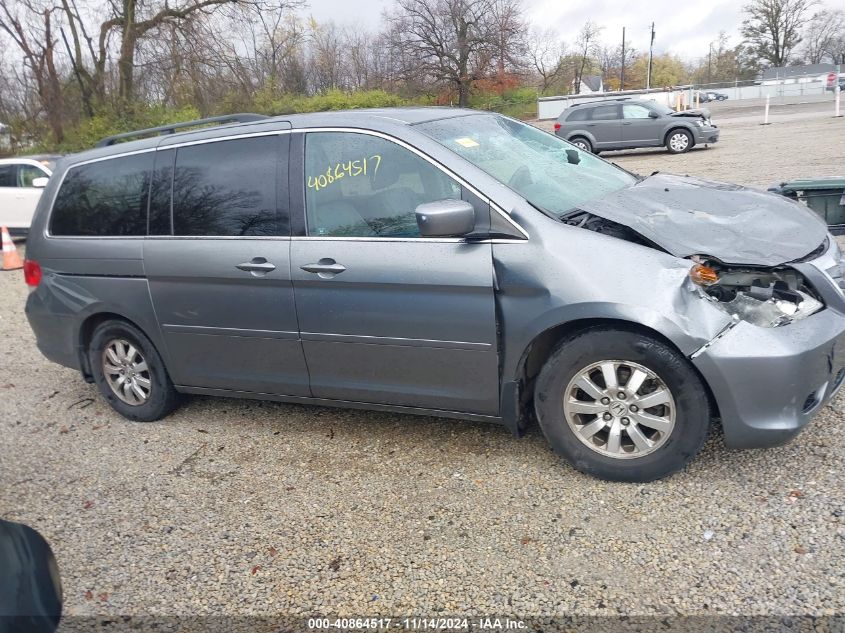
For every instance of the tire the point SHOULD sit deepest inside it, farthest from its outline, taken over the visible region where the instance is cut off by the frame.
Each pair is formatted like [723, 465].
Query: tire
[582, 142]
[679, 141]
[112, 344]
[665, 451]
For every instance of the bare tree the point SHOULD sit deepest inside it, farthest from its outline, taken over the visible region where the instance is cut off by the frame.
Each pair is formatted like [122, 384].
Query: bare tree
[449, 40]
[545, 50]
[509, 45]
[587, 47]
[29, 24]
[821, 35]
[327, 56]
[773, 27]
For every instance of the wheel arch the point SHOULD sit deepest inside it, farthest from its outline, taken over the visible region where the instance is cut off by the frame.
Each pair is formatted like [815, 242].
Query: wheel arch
[582, 134]
[540, 348]
[86, 331]
[679, 126]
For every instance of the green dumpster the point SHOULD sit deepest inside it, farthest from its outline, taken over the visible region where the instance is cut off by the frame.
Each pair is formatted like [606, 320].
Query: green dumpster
[825, 196]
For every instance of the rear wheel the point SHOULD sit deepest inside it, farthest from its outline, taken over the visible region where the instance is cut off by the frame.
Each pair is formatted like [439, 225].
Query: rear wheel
[678, 141]
[582, 143]
[621, 405]
[130, 373]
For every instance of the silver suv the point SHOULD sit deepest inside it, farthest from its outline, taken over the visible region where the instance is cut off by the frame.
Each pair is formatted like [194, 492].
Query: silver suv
[439, 262]
[626, 124]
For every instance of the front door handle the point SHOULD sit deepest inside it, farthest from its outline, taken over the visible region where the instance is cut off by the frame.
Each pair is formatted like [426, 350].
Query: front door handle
[325, 268]
[258, 266]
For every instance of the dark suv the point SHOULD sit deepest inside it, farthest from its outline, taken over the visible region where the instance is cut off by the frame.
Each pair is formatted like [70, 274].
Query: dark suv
[626, 124]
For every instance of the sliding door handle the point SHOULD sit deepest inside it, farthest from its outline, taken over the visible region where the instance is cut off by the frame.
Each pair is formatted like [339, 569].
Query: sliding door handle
[325, 268]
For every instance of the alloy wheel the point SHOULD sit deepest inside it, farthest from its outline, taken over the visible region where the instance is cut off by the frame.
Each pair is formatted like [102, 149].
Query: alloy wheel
[619, 409]
[126, 372]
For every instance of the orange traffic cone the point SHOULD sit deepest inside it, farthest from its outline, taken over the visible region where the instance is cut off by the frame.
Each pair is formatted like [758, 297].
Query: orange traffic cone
[11, 259]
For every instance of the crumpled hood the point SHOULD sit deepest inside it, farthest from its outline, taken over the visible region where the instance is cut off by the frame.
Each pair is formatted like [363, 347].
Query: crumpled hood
[735, 224]
[704, 113]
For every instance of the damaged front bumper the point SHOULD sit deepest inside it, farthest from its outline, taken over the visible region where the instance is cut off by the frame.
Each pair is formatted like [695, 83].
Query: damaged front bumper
[706, 135]
[768, 383]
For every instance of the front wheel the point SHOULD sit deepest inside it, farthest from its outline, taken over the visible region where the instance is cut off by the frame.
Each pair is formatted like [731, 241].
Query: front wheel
[679, 141]
[130, 373]
[621, 405]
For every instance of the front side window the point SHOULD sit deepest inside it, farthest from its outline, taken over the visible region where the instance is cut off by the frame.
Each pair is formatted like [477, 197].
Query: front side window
[359, 185]
[223, 188]
[660, 108]
[544, 169]
[633, 111]
[105, 198]
[28, 173]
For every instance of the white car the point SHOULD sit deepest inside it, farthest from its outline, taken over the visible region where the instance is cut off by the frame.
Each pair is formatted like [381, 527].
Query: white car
[21, 182]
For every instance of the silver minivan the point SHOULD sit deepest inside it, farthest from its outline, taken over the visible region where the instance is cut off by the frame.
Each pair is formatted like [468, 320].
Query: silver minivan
[441, 262]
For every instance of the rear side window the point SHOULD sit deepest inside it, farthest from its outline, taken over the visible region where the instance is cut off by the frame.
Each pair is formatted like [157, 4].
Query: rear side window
[224, 188]
[603, 113]
[106, 198]
[579, 114]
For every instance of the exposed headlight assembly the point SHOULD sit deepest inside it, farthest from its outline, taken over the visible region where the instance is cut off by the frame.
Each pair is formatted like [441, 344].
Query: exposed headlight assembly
[768, 298]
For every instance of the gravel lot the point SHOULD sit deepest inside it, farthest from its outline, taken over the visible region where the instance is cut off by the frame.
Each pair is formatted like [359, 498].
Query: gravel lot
[240, 507]
[802, 140]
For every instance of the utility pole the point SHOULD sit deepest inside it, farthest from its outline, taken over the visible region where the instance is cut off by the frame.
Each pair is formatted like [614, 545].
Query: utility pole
[650, 56]
[709, 63]
[622, 72]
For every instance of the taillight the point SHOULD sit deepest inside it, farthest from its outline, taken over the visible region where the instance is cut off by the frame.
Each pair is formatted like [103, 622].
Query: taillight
[32, 272]
[557, 126]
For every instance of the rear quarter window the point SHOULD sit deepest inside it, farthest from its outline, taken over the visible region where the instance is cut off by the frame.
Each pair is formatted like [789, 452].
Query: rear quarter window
[579, 114]
[105, 198]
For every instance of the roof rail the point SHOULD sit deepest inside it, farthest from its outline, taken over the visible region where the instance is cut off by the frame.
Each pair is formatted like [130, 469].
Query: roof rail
[173, 127]
[583, 103]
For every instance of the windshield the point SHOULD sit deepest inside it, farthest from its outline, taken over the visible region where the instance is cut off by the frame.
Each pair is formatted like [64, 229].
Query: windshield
[550, 173]
[660, 108]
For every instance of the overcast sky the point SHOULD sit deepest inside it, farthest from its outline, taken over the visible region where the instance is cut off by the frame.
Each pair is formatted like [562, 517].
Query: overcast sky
[681, 27]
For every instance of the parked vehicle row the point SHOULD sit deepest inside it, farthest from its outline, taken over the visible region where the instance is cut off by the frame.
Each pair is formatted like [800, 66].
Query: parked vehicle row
[442, 262]
[706, 96]
[630, 123]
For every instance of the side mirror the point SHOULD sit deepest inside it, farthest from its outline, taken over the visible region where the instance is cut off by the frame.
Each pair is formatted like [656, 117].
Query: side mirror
[40, 183]
[445, 218]
[652, 114]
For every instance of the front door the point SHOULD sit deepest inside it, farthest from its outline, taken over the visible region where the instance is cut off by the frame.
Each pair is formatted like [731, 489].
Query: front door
[218, 264]
[638, 128]
[387, 316]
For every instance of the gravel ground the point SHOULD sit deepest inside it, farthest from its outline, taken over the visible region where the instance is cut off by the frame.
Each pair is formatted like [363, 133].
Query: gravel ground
[240, 507]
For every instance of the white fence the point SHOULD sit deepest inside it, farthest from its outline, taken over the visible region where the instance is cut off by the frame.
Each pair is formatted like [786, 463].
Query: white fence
[551, 107]
[762, 91]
